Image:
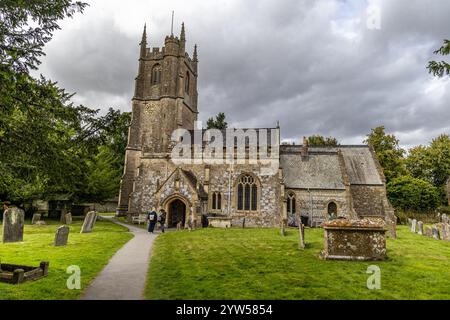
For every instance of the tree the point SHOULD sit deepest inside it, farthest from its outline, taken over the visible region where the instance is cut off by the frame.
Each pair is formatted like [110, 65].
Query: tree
[409, 193]
[439, 157]
[418, 163]
[45, 140]
[218, 123]
[441, 68]
[431, 163]
[318, 140]
[388, 152]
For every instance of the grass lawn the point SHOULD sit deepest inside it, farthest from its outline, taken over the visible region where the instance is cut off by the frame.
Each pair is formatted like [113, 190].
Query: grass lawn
[89, 251]
[260, 264]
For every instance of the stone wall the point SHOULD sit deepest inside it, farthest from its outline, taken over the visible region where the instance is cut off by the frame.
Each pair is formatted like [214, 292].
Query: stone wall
[319, 200]
[367, 200]
[354, 240]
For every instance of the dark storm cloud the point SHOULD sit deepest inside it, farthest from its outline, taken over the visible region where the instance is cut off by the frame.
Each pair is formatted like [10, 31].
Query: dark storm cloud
[312, 65]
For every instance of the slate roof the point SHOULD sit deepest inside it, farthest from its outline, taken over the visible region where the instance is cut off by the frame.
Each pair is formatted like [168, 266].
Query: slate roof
[360, 166]
[320, 171]
[323, 170]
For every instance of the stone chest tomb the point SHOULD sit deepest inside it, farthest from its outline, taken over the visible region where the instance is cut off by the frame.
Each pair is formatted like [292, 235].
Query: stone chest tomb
[16, 274]
[361, 240]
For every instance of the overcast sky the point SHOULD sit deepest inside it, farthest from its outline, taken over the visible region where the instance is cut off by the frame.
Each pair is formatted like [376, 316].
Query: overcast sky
[314, 65]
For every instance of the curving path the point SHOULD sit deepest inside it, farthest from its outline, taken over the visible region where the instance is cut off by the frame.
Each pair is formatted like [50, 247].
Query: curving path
[124, 277]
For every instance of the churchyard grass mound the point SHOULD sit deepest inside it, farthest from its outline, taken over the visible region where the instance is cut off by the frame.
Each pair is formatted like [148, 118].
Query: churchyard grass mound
[261, 264]
[90, 251]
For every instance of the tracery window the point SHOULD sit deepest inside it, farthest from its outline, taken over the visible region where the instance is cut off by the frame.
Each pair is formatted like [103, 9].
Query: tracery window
[247, 193]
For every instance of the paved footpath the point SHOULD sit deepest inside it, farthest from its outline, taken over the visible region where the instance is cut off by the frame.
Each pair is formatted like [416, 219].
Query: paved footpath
[124, 277]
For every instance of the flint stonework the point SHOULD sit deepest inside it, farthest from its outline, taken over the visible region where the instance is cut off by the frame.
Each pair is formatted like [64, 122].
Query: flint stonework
[13, 222]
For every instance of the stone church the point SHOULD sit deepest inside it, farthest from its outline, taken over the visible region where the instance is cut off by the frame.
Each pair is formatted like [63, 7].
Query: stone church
[316, 183]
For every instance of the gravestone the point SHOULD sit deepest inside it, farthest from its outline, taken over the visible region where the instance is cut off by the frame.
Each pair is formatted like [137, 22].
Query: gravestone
[409, 222]
[428, 232]
[62, 218]
[13, 222]
[69, 218]
[89, 222]
[444, 231]
[420, 227]
[435, 232]
[414, 226]
[40, 223]
[36, 218]
[61, 236]
[444, 218]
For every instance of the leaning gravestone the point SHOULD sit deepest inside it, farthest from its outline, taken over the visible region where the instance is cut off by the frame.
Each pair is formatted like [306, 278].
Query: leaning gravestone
[61, 236]
[13, 222]
[435, 232]
[89, 222]
[36, 218]
[420, 227]
[428, 232]
[69, 218]
[414, 226]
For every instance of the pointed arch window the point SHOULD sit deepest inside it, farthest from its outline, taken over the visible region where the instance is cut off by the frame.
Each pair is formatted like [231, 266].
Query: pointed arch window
[291, 204]
[247, 194]
[156, 74]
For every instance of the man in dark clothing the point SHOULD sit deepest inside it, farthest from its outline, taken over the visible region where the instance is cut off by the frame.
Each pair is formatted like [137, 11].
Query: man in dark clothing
[152, 218]
[162, 219]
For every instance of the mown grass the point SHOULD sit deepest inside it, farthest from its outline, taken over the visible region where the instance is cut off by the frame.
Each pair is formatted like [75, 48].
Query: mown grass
[90, 252]
[261, 264]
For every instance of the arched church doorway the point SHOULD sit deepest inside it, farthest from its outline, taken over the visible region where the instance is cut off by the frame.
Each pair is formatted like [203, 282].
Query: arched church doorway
[177, 213]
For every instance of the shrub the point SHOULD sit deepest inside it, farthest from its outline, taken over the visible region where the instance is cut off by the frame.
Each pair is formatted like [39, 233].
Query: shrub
[408, 193]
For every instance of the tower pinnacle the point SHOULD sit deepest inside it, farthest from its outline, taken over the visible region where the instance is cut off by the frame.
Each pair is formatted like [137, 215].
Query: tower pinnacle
[183, 33]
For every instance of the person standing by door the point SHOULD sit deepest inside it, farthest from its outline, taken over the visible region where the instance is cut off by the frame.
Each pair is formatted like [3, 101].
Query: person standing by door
[162, 219]
[152, 218]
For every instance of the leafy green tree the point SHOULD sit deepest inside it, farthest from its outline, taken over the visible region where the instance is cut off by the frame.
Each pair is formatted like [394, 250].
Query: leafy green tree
[45, 140]
[217, 123]
[418, 163]
[409, 193]
[103, 179]
[439, 157]
[388, 152]
[318, 140]
[440, 68]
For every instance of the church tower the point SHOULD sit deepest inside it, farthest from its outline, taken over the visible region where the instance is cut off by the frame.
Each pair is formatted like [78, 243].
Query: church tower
[165, 99]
